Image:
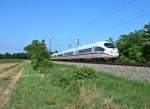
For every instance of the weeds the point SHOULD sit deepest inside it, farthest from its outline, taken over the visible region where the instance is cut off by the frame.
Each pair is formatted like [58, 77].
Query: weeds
[63, 88]
[83, 73]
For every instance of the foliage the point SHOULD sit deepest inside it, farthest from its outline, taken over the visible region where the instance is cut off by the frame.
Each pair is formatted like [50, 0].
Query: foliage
[83, 73]
[14, 56]
[39, 55]
[123, 58]
[45, 66]
[135, 45]
[135, 53]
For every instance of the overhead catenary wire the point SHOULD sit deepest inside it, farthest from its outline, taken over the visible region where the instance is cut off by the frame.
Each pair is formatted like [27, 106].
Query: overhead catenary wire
[110, 11]
[133, 19]
[114, 10]
[126, 20]
[141, 11]
[126, 5]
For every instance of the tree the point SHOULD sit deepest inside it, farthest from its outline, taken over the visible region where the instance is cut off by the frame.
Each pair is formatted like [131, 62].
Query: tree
[39, 54]
[146, 42]
[7, 55]
[135, 45]
[14, 56]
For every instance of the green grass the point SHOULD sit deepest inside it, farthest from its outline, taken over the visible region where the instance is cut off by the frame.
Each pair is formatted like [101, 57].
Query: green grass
[6, 61]
[58, 90]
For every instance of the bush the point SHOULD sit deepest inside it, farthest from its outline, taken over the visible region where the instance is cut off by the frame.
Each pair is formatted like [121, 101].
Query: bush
[44, 66]
[123, 59]
[34, 63]
[39, 56]
[135, 45]
[84, 73]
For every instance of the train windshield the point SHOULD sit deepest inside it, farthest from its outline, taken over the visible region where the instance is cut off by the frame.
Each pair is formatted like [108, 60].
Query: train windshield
[109, 45]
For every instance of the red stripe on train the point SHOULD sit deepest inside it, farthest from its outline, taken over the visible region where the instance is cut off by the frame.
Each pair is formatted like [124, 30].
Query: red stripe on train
[96, 53]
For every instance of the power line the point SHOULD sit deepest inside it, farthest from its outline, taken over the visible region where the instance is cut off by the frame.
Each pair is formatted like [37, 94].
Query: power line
[114, 10]
[139, 11]
[126, 6]
[129, 21]
[121, 7]
[132, 19]
[135, 18]
[108, 12]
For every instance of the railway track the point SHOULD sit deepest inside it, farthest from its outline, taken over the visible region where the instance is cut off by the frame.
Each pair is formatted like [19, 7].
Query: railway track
[112, 63]
[122, 64]
[131, 71]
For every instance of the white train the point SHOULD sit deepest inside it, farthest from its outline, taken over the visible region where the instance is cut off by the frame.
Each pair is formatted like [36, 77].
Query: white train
[101, 50]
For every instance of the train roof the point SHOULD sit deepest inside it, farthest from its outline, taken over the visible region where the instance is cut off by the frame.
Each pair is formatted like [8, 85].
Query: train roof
[93, 44]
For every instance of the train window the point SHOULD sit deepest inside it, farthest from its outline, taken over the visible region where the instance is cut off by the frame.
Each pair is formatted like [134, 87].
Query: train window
[99, 49]
[109, 45]
[60, 55]
[53, 56]
[68, 54]
[85, 50]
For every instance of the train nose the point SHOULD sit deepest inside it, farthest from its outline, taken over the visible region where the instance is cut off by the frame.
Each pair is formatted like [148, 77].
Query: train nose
[117, 53]
[114, 53]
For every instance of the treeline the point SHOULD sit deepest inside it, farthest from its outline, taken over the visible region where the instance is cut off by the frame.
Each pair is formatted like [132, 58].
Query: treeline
[14, 56]
[135, 46]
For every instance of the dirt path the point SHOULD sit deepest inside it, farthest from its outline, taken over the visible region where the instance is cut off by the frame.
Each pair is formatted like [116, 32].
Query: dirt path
[8, 91]
[9, 72]
[6, 65]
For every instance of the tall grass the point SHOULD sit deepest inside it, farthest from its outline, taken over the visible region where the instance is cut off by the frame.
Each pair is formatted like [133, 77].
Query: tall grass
[61, 89]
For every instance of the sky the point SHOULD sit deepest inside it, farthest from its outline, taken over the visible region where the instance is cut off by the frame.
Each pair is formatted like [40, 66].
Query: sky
[65, 21]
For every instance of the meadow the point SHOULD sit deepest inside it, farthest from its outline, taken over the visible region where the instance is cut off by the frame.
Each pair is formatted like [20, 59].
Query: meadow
[69, 87]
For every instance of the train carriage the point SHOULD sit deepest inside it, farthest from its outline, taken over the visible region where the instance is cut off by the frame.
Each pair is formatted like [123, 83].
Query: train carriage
[103, 50]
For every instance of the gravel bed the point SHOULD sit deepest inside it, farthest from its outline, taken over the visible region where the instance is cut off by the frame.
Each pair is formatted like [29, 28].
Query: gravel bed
[131, 72]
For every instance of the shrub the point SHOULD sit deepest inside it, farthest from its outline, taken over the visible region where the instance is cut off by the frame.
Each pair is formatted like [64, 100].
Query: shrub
[39, 56]
[34, 64]
[83, 73]
[44, 66]
[123, 59]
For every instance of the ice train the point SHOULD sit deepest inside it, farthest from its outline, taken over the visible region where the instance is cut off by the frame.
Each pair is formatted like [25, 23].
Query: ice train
[100, 50]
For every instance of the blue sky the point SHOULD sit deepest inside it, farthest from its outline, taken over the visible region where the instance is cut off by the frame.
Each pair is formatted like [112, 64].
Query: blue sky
[22, 21]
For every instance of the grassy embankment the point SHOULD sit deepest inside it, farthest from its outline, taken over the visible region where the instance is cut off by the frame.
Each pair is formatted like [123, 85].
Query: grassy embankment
[60, 90]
